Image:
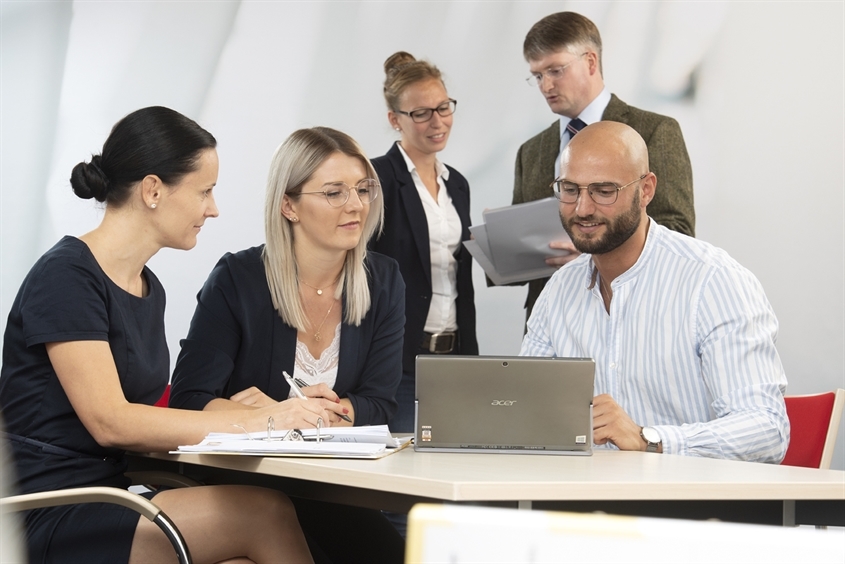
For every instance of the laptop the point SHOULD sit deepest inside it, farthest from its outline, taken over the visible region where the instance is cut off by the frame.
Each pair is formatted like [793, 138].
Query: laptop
[504, 404]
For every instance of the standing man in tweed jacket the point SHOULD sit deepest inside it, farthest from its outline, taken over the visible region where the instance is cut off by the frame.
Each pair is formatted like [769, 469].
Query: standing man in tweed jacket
[563, 51]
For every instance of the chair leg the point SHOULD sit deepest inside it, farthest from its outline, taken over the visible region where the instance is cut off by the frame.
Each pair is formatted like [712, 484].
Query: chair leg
[166, 525]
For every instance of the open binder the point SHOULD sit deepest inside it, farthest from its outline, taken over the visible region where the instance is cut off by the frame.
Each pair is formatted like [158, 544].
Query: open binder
[369, 442]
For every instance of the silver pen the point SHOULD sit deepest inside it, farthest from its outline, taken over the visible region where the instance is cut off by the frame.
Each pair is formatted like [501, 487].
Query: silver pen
[296, 385]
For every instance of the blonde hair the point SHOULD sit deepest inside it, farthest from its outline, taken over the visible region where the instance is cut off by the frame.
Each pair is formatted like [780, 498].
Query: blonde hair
[293, 164]
[402, 70]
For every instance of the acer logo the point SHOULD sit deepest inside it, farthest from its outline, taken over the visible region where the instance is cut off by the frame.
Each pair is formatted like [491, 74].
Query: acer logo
[503, 402]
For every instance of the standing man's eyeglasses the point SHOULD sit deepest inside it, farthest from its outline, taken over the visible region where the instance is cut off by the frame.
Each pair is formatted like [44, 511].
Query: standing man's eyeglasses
[554, 73]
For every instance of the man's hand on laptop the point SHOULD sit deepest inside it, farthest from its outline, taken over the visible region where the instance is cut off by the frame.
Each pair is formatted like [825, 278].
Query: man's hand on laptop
[612, 425]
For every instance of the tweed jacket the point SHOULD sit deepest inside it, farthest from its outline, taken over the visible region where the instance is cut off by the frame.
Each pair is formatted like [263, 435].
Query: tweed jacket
[405, 238]
[672, 205]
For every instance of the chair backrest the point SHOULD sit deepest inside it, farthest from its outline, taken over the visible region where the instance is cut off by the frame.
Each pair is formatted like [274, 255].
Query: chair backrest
[814, 421]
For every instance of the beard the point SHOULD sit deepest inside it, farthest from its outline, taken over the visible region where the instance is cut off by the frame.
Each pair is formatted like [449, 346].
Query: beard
[617, 230]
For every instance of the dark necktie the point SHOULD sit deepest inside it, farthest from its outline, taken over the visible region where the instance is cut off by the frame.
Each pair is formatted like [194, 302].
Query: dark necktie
[574, 126]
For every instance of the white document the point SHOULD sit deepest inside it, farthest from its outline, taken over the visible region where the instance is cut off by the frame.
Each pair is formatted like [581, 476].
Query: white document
[346, 442]
[263, 447]
[498, 279]
[377, 434]
[513, 242]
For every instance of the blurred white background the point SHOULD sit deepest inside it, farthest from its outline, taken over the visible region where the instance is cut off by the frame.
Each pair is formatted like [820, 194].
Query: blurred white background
[756, 86]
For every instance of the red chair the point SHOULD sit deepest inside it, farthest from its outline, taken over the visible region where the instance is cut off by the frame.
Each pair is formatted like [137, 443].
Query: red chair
[153, 479]
[165, 397]
[814, 421]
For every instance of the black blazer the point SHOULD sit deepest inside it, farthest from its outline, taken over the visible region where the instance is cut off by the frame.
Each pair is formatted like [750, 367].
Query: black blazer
[405, 238]
[237, 340]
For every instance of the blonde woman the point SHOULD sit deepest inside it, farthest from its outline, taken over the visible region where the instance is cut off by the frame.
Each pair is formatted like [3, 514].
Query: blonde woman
[312, 302]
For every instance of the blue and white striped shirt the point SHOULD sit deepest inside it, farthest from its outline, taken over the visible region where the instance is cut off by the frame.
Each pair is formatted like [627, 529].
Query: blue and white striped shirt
[687, 348]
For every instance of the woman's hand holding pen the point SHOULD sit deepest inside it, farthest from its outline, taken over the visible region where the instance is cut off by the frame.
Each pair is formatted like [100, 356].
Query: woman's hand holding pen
[293, 413]
[331, 402]
[332, 407]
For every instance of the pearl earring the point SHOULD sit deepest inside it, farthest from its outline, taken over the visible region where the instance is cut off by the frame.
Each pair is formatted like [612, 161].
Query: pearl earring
[397, 129]
[153, 206]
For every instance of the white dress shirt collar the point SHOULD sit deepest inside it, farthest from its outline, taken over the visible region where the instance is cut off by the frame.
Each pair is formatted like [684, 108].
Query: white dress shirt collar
[441, 169]
[591, 114]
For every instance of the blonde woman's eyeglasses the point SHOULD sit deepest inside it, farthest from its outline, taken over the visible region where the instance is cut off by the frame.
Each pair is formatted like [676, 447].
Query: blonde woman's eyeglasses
[337, 193]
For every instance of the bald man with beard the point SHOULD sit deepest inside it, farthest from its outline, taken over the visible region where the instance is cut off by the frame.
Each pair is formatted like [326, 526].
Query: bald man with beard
[682, 335]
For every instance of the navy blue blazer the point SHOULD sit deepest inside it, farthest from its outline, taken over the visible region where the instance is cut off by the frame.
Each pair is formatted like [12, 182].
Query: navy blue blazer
[237, 340]
[405, 238]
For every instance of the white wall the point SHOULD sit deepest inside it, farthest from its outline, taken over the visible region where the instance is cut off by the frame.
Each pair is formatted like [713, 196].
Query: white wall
[763, 123]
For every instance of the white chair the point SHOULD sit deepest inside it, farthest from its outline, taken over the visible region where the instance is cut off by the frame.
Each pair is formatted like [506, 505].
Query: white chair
[117, 496]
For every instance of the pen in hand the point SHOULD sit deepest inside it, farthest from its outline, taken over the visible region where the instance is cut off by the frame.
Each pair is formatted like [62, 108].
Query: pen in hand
[296, 385]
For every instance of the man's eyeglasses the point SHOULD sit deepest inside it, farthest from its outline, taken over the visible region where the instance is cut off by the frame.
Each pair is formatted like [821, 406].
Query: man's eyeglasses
[554, 73]
[337, 193]
[422, 115]
[602, 193]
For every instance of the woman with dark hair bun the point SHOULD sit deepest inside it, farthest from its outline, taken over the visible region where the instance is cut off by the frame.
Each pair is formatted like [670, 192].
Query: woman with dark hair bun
[426, 217]
[85, 359]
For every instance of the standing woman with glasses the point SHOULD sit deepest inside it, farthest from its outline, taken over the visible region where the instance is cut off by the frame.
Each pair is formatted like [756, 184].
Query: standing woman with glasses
[311, 301]
[426, 207]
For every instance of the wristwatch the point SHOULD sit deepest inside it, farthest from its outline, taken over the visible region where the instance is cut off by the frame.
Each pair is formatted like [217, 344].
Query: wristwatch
[652, 439]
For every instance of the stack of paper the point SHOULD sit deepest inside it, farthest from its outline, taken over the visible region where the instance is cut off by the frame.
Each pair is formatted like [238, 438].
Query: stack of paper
[512, 244]
[343, 442]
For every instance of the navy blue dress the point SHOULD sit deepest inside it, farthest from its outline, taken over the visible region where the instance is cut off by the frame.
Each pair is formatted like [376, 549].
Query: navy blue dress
[67, 297]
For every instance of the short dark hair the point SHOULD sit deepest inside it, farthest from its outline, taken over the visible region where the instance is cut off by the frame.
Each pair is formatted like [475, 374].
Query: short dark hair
[560, 31]
[154, 140]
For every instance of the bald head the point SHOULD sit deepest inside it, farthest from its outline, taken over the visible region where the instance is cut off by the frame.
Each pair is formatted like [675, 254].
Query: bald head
[607, 223]
[606, 142]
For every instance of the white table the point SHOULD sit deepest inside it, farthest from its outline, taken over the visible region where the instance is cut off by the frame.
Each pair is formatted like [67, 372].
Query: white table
[624, 482]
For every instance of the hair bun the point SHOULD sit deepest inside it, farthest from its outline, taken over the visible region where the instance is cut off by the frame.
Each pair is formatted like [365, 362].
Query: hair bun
[89, 181]
[397, 60]
[402, 70]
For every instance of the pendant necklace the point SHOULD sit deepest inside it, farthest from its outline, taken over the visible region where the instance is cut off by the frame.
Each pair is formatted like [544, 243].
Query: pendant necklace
[317, 335]
[319, 290]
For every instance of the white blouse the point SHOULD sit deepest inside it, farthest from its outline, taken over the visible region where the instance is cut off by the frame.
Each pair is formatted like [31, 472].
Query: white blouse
[315, 370]
[444, 233]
